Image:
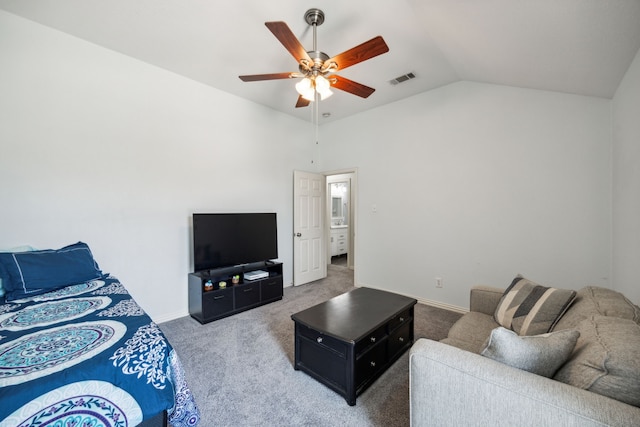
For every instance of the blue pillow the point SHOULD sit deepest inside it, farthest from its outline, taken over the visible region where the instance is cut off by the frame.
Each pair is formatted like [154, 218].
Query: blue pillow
[4, 273]
[32, 273]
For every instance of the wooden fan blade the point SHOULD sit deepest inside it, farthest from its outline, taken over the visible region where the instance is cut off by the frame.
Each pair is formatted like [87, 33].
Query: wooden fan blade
[272, 76]
[302, 102]
[351, 86]
[288, 40]
[367, 50]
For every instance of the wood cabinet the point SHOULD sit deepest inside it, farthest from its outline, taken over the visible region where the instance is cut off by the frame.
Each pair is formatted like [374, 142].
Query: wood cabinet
[208, 301]
[339, 241]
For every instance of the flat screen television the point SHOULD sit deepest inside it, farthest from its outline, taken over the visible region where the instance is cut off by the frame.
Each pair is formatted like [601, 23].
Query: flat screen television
[230, 239]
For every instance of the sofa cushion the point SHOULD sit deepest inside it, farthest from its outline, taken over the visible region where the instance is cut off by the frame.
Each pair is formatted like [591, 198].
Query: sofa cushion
[540, 354]
[471, 331]
[593, 300]
[462, 345]
[605, 360]
[531, 309]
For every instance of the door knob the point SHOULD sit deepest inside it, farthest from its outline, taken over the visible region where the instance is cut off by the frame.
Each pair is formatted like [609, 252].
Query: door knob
[298, 234]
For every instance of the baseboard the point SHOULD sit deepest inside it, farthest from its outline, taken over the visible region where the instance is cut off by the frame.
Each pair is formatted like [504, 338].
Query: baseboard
[169, 316]
[425, 301]
[442, 305]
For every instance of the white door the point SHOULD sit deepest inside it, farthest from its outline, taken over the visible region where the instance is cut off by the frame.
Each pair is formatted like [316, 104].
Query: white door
[309, 250]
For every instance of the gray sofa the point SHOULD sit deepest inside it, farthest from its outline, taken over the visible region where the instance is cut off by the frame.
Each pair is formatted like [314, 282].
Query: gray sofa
[452, 384]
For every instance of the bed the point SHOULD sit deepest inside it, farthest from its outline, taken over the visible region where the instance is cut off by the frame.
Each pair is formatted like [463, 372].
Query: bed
[77, 350]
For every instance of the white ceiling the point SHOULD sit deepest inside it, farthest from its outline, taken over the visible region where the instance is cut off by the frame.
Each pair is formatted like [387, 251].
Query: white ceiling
[576, 46]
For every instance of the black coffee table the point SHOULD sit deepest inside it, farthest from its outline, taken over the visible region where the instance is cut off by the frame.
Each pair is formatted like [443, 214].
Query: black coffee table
[347, 342]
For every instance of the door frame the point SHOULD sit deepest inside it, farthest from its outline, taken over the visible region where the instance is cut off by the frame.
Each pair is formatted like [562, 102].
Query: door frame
[353, 224]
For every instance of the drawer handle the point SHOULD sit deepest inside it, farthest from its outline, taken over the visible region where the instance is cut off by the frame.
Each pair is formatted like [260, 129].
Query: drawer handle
[319, 339]
[248, 290]
[373, 364]
[401, 339]
[373, 339]
[219, 297]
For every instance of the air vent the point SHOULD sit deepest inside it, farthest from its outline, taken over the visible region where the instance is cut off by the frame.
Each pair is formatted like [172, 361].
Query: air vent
[402, 78]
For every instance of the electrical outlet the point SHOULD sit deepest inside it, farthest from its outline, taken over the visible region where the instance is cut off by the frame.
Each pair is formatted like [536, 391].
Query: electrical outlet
[438, 282]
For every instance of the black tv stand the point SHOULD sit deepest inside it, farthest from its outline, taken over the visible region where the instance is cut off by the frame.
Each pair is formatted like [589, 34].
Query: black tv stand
[208, 305]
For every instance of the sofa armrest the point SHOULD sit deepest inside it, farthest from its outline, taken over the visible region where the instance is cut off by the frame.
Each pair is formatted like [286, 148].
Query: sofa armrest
[485, 299]
[449, 386]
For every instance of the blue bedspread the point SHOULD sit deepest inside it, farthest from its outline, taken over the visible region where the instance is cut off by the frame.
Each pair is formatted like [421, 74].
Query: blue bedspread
[88, 355]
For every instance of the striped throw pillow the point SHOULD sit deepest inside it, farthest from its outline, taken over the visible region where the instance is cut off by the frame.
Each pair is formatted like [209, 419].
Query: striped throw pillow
[531, 309]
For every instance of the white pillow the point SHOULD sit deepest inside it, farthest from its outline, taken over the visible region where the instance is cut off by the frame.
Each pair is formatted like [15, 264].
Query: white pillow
[540, 354]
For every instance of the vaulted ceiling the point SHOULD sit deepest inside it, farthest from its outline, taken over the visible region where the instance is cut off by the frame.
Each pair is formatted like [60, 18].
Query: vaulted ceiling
[581, 47]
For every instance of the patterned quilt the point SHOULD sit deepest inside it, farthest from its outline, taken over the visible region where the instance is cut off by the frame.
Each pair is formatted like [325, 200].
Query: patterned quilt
[87, 355]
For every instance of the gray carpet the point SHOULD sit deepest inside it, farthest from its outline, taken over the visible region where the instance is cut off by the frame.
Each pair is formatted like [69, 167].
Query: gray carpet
[240, 369]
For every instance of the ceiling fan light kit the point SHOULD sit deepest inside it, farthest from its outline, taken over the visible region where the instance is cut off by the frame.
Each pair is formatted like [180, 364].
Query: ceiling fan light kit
[309, 86]
[316, 68]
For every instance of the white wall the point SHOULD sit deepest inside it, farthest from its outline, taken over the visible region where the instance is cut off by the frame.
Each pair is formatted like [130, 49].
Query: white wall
[626, 184]
[98, 147]
[475, 183]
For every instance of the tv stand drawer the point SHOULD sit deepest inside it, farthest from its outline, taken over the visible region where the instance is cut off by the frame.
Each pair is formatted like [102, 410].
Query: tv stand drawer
[246, 295]
[216, 303]
[271, 288]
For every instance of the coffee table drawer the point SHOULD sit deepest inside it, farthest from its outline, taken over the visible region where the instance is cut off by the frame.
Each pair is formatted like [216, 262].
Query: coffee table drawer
[323, 341]
[372, 339]
[400, 338]
[399, 319]
[370, 362]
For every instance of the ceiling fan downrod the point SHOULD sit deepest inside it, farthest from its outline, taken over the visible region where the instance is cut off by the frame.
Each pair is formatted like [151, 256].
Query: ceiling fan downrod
[315, 17]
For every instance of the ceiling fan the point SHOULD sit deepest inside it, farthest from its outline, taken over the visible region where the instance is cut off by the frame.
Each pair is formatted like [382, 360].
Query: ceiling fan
[316, 68]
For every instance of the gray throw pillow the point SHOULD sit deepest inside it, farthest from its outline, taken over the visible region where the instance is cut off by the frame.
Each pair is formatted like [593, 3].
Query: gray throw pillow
[531, 309]
[539, 354]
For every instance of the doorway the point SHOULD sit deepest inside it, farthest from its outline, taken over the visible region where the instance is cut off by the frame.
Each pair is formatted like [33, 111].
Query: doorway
[340, 218]
[312, 212]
